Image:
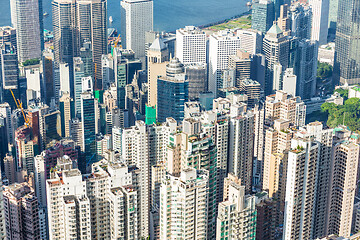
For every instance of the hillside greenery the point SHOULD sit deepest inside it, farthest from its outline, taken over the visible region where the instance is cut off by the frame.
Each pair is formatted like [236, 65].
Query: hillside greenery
[347, 114]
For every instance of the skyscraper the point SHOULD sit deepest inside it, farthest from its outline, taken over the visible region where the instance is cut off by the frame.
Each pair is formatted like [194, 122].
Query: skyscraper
[157, 59]
[21, 212]
[172, 92]
[299, 199]
[276, 50]
[301, 18]
[186, 195]
[347, 42]
[26, 17]
[222, 44]
[263, 15]
[75, 24]
[191, 45]
[88, 111]
[306, 68]
[136, 19]
[320, 20]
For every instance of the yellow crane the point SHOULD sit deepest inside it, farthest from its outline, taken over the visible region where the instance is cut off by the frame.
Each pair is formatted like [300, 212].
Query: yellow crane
[117, 41]
[19, 106]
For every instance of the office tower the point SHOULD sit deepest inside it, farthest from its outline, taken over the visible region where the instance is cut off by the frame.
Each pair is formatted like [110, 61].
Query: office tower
[79, 74]
[27, 20]
[25, 149]
[67, 112]
[107, 69]
[333, 13]
[289, 82]
[283, 20]
[21, 212]
[136, 19]
[48, 76]
[2, 217]
[263, 15]
[157, 59]
[241, 145]
[138, 154]
[5, 112]
[172, 92]
[125, 67]
[343, 188]
[191, 45]
[320, 20]
[88, 120]
[347, 60]
[9, 74]
[8, 35]
[168, 38]
[75, 24]
[93, 13]
[258, 69]
[221, 45]
[252, 90]
[197, 76]
[251, 40]
[276, 50]
[236, 214]
[299, 211]
[305, 68]
[63, 27]
[241, 62]
[186, 195]
[301, 19]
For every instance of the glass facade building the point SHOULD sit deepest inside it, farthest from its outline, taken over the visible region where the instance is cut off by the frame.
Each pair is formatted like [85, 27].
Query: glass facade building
[347, 43]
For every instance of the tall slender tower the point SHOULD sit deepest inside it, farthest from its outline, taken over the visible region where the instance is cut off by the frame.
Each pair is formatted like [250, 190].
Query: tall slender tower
[26, 18]
[320, 20]
[136, 19]
[347, 45]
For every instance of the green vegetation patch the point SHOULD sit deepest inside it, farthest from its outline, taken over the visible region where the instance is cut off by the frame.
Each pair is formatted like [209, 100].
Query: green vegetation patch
[347, 114]
[243, 22]
[31, 62]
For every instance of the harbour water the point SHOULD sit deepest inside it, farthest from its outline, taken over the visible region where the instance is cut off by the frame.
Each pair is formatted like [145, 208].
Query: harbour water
[168, 14]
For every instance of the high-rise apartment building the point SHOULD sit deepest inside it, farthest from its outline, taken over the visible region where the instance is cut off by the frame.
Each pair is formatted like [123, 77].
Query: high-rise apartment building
[221, 45]
[320, 20]
[263, 15]
[186, 195]
[343, 188]
[21, 212]
[237, 214]
[191, 45]
[67, 111]
[301, 184]
[26, 17]
[136, 19]
[241, 145]
[346, 67]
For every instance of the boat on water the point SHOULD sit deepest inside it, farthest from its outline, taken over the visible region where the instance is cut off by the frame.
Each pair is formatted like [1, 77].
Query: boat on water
[248, 4]
[45, 14]
[111, 19]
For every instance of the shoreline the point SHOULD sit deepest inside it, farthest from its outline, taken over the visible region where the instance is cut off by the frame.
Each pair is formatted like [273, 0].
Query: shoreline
[225, 20]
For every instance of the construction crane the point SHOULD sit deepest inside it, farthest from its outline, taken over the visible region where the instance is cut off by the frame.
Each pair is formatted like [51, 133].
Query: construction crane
[19, 106]
[117, 41]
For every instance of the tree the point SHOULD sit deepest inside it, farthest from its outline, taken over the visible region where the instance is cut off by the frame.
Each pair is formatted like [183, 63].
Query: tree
[30, 62]
[324, 70]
